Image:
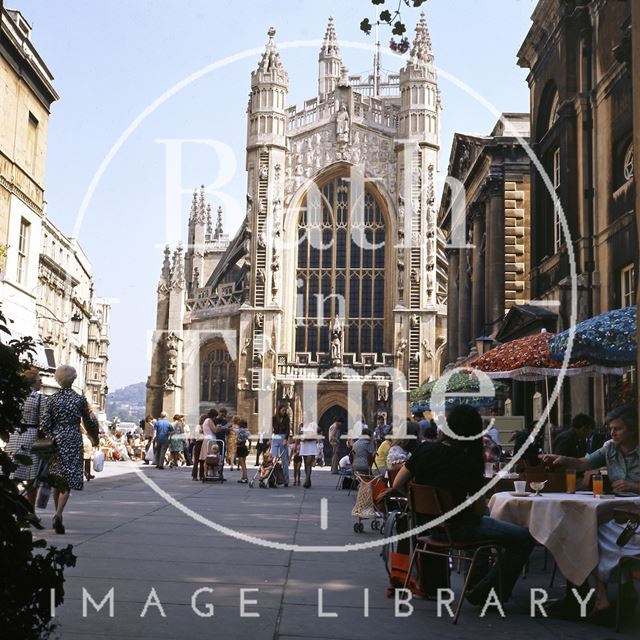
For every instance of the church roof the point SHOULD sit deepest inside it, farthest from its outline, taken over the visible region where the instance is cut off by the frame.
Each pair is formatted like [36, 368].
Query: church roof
[230, 257]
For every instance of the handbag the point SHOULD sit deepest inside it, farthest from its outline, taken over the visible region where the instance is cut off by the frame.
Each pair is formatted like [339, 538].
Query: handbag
[43, 443]
[149, 455]
[98, 461]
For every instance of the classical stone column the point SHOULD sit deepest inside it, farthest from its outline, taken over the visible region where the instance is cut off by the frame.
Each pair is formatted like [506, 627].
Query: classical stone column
[452, 306]
[495, 252]
[464, 301]
[478, 279]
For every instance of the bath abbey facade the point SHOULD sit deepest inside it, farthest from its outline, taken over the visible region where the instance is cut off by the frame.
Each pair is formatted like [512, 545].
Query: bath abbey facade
[336, 279]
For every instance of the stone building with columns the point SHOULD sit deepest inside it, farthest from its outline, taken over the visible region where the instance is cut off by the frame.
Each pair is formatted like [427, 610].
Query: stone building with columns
[580, 80]
[336, 279]
[488, 230]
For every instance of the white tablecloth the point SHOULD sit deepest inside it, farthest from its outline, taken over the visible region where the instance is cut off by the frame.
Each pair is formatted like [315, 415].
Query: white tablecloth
[566, 524]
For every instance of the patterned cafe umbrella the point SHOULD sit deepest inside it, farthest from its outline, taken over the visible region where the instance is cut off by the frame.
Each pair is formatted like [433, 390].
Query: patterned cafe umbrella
[530, 358]
[608, 339]
[460, 382]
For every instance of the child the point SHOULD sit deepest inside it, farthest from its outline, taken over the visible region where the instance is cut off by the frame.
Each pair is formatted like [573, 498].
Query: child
[266, 466]
[212, 460]
[320, 454]
[297, 462]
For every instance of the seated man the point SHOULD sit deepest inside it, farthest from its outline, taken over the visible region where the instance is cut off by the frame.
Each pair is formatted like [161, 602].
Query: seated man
[458, 466]
[620, 456]
[572, 442]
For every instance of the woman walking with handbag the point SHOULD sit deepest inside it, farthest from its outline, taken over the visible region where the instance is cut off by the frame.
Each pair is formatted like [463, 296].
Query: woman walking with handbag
[22, 439]
[64, 411]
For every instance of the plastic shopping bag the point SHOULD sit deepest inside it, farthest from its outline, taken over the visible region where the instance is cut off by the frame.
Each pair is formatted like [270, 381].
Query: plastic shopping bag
[98, 461]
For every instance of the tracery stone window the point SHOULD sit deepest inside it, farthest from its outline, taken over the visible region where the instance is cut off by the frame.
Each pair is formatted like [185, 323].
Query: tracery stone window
[340, 271]
[218, 376]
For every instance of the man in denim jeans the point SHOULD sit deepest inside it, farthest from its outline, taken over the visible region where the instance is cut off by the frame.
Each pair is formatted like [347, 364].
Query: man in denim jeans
[458, 466]
[162, 429]
[281, 427]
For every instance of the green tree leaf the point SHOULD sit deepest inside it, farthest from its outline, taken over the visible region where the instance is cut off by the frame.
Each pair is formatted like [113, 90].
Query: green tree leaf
[365, 26]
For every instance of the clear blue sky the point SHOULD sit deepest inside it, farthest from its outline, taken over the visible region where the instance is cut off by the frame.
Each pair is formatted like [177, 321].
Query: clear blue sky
[113, 59]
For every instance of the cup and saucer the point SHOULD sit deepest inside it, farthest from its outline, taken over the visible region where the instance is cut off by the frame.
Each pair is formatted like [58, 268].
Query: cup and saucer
[521, 489]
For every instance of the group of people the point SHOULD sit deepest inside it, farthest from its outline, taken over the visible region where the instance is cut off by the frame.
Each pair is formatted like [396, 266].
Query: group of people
[457, 465]
[63, 418]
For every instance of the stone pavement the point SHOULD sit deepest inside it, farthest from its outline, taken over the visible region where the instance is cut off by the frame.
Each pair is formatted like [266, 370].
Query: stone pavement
[130, 539]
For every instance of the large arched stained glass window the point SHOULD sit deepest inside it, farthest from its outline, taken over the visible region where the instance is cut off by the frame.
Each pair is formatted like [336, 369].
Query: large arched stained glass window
[218, 376]
[341, 259]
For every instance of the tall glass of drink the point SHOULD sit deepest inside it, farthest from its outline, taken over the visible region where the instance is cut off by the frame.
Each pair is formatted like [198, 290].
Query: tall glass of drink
[598, 485]
[571, 480]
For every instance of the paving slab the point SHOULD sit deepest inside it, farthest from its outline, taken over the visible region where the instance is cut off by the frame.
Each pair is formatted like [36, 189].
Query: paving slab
[127, 537]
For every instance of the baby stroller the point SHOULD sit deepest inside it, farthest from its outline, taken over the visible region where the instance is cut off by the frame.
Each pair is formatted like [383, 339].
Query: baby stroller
[214, 461]
[269, 474]
[370, 502]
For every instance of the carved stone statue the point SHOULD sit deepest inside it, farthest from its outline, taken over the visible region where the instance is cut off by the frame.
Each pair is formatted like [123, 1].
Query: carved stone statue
[342, 125]
[170, 383]
[336, 341]
[428, 352]
[382, 392]
[402, 345]
[275, 277]
[264, 172]
[259, 320]
[245, 346]
[287, 390]
[172, 352]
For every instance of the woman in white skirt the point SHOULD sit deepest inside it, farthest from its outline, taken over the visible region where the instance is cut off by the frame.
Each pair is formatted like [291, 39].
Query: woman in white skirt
[309, 435]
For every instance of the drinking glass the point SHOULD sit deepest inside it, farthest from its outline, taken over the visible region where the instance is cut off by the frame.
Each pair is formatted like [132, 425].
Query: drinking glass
[598, 485]
[571, 480]
[488, 470]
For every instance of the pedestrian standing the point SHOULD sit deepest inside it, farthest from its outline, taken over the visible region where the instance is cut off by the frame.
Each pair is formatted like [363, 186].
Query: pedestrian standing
[242, 449]
[162, 430]
[261, 447]
[176, 441]
[335, 440]
[22, 438]
[198, 467]
[148, 433]
[65, 409]
[309, 449]
[87, 454]
[281, 428]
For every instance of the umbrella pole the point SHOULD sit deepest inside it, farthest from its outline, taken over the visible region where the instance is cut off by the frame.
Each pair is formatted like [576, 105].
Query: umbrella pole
[546, 388]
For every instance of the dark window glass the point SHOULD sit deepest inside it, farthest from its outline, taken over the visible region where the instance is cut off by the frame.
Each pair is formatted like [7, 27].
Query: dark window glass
[365, 338]
[377, 339]
[354, 295]
[341, 249]
[355, 251]
[366, 297]
[378, 297]
[327, 248]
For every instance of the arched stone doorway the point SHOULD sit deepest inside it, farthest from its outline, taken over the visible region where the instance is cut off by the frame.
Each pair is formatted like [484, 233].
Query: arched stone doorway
[332, 414]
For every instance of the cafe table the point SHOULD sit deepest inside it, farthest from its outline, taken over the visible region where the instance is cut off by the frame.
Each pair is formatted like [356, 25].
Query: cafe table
[566, 524]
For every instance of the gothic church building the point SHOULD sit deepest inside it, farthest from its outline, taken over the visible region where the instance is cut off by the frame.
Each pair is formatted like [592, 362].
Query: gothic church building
[337, 274]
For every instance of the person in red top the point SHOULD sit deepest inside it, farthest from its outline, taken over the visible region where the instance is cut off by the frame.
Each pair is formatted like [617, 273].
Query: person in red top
[281, 429]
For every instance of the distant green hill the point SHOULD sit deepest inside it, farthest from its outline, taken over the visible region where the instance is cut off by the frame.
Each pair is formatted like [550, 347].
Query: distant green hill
[127, 403]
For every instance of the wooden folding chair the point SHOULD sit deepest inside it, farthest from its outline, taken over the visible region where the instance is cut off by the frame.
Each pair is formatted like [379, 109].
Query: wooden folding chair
[432, 502]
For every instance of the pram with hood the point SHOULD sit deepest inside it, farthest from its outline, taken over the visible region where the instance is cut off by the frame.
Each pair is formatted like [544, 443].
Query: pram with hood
[213, 461]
